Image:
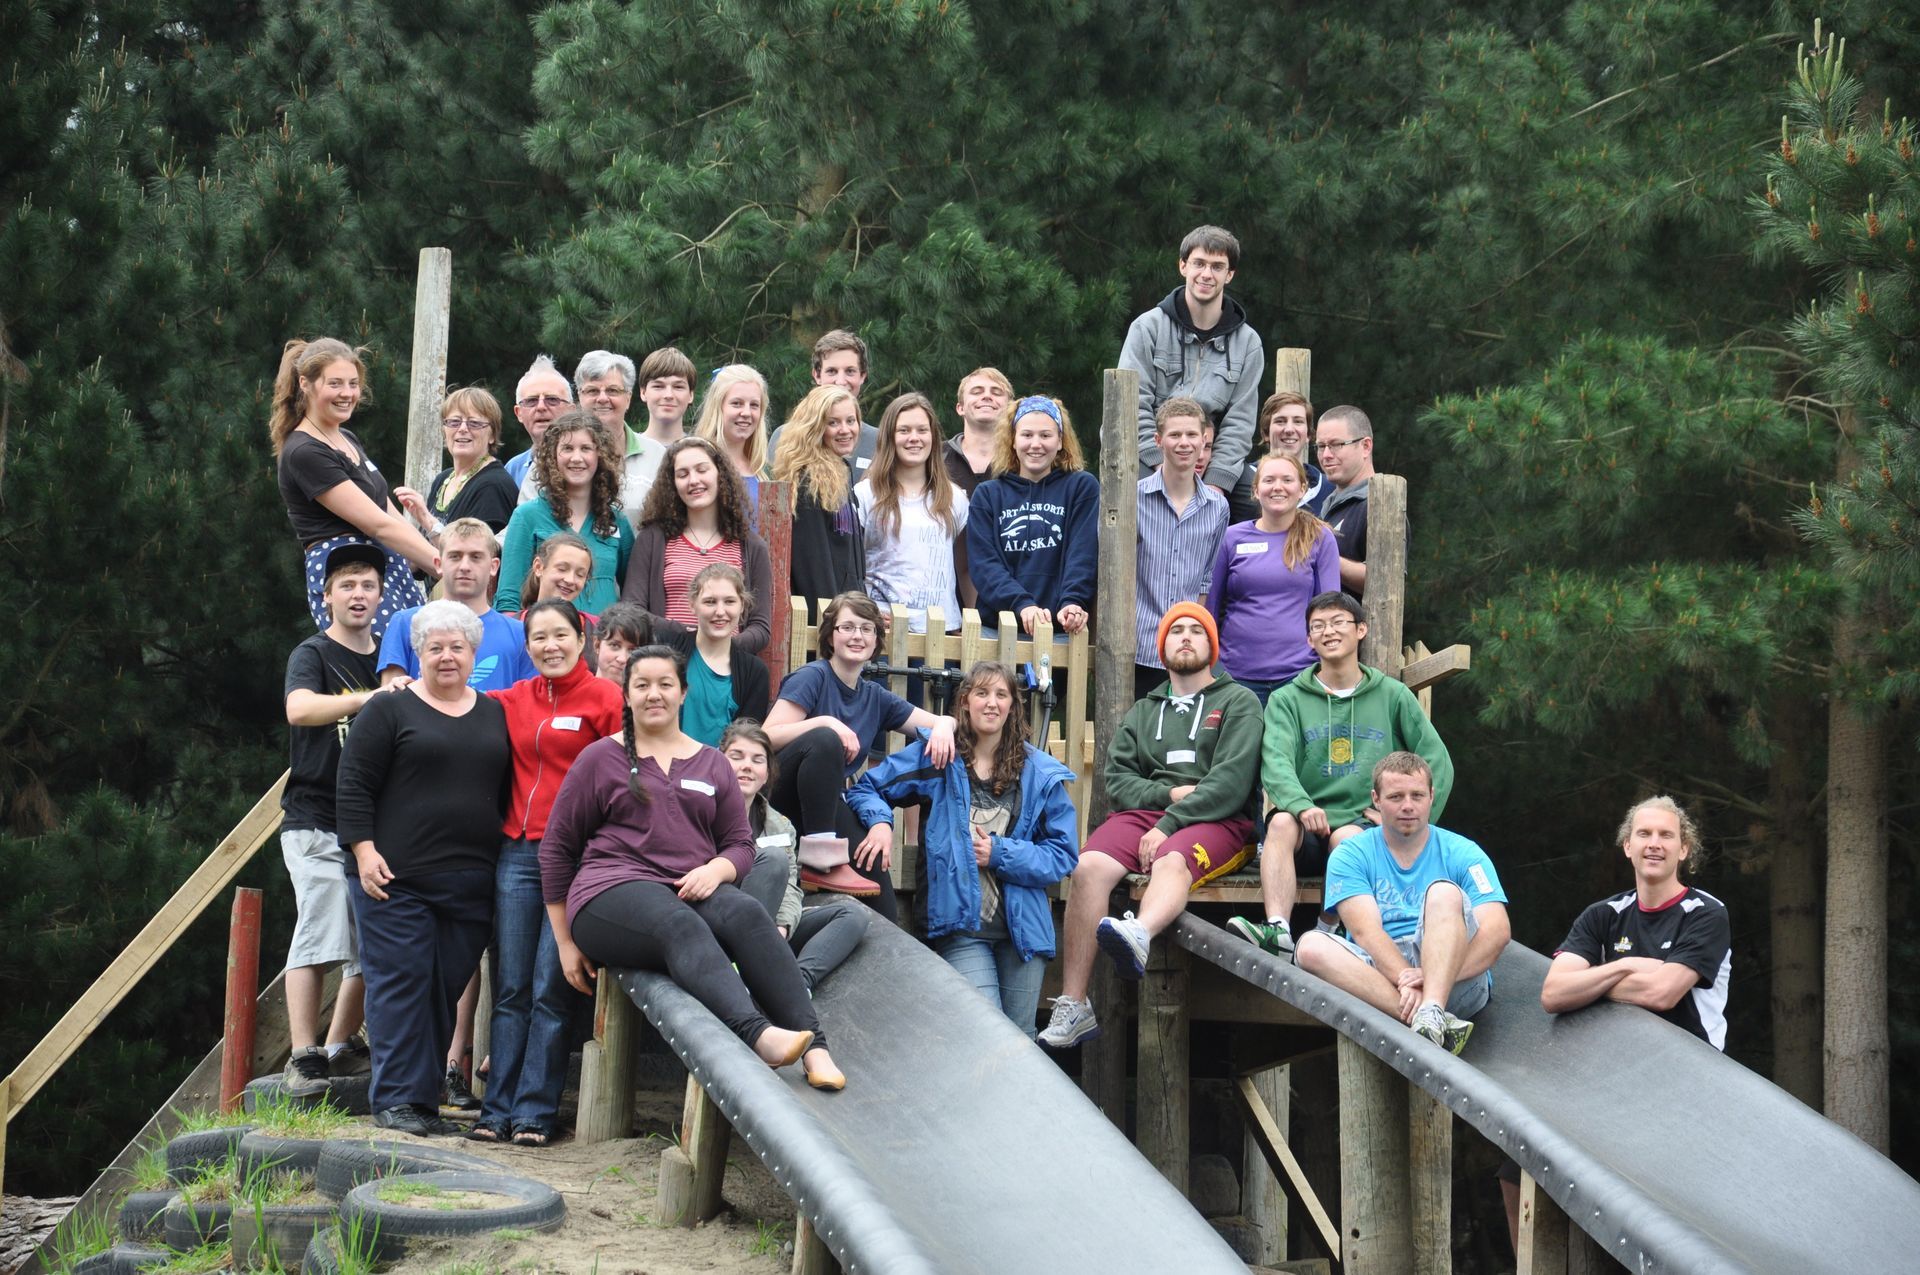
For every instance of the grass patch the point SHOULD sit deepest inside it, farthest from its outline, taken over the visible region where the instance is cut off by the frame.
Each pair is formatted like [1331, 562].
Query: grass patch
[464, 1268]
[267, 1189]
[215, 1184]
[201, 1121]
[149, 1172]
[512, 1235]
[280, 1116]
[199, 1261]
[403, 1191]
[772, 1237]
[78, 1237]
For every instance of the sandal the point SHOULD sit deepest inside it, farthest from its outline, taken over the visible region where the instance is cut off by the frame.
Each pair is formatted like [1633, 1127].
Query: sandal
[487, 1133]
[531, 1135]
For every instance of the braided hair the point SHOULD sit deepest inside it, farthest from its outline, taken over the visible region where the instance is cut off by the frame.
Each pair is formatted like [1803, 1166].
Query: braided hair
[635, 788]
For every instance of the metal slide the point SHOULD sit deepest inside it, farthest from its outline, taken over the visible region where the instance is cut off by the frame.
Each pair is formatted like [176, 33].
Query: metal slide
[957, 1145]
[1671, 1155]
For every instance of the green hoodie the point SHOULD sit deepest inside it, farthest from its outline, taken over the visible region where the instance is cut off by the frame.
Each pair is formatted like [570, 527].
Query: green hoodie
[1306, 726]
[1211, 741]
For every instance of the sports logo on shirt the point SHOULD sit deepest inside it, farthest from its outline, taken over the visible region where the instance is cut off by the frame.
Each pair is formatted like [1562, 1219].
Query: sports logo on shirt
[483, 669]
[1340, 751]
[1624, 946]
[1213, 720]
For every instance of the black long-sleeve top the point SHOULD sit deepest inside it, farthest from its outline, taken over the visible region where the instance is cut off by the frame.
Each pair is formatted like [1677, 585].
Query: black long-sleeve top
[429, 790]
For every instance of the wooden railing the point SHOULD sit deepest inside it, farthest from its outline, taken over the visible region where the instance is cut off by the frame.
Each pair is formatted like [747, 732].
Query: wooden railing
[207, 883]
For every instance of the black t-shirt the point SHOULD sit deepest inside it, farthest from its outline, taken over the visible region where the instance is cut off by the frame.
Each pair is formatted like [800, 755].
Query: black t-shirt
[490, 495]
[1349, 523]
[960, 469]
[309, 467]
[1691, 928]
[323, 666]
[429, 790]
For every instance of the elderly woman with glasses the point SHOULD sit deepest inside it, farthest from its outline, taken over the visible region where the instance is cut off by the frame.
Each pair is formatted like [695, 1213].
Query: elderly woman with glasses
[823, 725]
[421, 797]
[475, 484]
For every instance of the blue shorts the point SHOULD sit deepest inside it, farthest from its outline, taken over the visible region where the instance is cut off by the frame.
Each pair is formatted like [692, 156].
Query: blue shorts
[1469, 996]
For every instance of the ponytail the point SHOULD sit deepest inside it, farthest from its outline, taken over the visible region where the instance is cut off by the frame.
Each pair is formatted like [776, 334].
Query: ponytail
[304, 359]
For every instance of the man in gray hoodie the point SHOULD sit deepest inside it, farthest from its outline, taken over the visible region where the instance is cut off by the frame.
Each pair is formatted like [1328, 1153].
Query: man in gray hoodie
[1196, 344]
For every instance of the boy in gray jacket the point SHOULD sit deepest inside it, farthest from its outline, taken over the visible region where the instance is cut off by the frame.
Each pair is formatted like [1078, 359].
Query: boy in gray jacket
[1196, 344]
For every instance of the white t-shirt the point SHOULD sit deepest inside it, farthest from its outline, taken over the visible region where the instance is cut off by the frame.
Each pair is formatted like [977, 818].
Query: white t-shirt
[915, 567]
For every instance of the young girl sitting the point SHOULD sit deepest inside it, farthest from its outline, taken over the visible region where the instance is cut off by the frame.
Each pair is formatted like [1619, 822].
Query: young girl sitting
[1033, 528]
[821, 936]
[724, 681]
[562, 565]
[1001, 830]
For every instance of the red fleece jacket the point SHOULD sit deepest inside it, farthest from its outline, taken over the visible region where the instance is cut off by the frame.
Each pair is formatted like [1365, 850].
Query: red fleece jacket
[550, 720]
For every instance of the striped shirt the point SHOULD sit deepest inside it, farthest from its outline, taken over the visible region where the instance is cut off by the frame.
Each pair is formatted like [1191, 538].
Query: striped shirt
[682, 561]
[1175, 558]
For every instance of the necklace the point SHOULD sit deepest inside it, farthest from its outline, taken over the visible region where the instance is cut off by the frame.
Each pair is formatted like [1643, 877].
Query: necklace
[456, 481]
[703, 549]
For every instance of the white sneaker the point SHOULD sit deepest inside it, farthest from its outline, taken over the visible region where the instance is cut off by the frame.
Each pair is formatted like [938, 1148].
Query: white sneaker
[1126, 941]
[1072, 1023]
[1431, 1021]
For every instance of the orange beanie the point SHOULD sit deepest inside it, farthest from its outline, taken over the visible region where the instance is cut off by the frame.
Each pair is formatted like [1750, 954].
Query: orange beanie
[1191, 611]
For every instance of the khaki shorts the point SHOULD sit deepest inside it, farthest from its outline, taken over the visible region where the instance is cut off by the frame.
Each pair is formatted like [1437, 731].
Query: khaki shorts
[319, 865]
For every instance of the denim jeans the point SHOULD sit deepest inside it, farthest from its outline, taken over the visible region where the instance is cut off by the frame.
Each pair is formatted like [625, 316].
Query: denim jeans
[995, 968]
[531, 999]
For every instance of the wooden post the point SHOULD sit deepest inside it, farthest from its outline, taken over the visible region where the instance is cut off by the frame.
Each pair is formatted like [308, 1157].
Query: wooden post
[1543, 1232]
[1164, 1080]
[606, 1066]
[1262, 1202]
[1430, 1181]
[776, 528]
[811, 1256]
[1376, 1235]
[1292, 370]
[427, 388]
[1265, 1133]
[243, 989]
[705, 1134]
[1386, 596]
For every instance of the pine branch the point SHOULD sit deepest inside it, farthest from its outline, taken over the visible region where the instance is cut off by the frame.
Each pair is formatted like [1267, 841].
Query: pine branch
[1777, 37]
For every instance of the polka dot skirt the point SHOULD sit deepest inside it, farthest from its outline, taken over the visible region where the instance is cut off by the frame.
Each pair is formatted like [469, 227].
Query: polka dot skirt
[400, 590]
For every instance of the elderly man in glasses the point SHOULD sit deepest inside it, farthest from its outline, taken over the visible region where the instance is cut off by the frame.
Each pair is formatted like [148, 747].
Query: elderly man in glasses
[1324, 731]
[1344, 445]
[541, 396]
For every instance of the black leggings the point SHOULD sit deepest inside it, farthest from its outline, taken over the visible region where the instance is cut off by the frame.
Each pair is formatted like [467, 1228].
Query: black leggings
[646, 925]
[810, 789]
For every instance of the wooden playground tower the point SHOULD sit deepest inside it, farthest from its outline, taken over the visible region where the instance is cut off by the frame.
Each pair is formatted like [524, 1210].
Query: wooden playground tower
[1393, 1211]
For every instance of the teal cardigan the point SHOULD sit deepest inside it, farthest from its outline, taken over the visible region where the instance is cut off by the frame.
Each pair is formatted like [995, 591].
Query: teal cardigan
[532, 523]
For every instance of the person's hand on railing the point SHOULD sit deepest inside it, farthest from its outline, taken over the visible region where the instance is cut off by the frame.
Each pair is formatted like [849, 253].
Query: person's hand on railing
[1072, 618]
[1032, 617]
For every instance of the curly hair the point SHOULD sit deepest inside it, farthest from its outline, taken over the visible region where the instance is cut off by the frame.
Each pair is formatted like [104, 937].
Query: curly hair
[883, 478]
[1010, 753]
[1689, 830]
[804, 459]
[605, 493]
[664, 508]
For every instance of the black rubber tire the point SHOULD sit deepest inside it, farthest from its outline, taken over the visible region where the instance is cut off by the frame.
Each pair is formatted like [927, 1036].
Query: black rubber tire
[263, 1153]
[188, 1226]
[350, 1094]
[345, 1165]
[536, 1207]
[277, 1236]
[140, 1214]
[134, 1259]
[323, 1254]
[102, 1263]
[188, 1153]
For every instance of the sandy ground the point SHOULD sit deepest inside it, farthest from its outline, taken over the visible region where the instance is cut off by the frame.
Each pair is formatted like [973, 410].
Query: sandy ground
[610, 1227]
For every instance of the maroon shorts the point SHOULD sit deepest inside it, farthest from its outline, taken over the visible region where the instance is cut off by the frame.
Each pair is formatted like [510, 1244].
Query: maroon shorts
[1210, 849]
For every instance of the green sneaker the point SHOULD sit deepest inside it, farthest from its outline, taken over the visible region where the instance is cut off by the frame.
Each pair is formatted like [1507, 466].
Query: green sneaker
[1458, 1029]
[1268, 936]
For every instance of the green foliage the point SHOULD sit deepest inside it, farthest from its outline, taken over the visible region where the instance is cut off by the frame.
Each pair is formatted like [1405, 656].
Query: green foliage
[78, 1237]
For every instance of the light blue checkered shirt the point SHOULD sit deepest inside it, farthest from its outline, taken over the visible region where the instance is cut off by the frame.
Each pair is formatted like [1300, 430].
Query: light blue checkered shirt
[1175, 558]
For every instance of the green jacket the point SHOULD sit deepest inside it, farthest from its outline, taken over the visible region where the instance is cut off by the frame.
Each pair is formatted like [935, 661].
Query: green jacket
[1320, 749]
[1213, 743]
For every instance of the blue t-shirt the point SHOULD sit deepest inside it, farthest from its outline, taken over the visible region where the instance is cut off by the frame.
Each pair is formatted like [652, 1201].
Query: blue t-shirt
[709, 705]
[1364, 865]
[501, 660]
[517, 467]
[868, 708]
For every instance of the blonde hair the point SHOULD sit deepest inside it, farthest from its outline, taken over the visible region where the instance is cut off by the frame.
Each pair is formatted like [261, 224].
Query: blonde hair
[1689, 830]
[304, 360]
[709, 426]
[1005, 461]
[881, 476]
[474, 401]
[1306, 528]
[804, 459]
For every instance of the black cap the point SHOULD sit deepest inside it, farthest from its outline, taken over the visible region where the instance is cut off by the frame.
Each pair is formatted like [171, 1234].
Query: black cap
[350, 553]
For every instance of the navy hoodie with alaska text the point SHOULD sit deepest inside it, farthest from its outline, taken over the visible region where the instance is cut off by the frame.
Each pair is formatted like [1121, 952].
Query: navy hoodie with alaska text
[1033, 544]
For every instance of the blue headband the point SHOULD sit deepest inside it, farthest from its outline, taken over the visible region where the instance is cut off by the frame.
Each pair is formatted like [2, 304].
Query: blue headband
[1035, 403]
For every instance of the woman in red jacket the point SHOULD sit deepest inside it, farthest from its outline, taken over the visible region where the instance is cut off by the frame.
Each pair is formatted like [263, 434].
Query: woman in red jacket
[550, 719]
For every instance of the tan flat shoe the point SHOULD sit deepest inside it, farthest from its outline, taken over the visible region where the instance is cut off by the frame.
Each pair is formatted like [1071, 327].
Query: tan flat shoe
[802, 1042]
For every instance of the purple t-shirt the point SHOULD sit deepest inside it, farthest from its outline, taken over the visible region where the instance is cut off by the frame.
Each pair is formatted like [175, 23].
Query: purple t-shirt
[598, 836]
[1260, 603]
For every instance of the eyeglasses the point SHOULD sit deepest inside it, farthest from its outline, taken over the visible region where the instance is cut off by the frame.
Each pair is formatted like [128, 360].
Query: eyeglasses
[1335, 444]
[458, 423]
[1316, 627]
[606, 391]
[543, 400]
[855, 630]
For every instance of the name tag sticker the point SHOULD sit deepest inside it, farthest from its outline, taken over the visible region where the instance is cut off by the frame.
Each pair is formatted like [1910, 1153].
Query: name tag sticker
[1250, 546]
[861, 462]
[1179, 755]
[780, 840]
[1479, 875]
[566, 723]
[700, 786]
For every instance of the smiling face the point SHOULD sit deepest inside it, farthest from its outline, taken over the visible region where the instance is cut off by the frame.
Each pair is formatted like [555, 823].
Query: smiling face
[741, 411]
[446, 661]
[1655, 845]
[749, 762]
[1182, 440]
[1333, 634]
[608, 396]
[654, 692]
[855, 637]
[332, 395]
[989, 703]
[843, 428]
[564, 573]
[841, 367]
[1036, 441]
[553, 644]
[1405, 802]
[1278, 487]
[353, 595]
[1345, 457]
[1287, 430]
[666, 398]
[1207, 275]
[717, 609]
[913, 436]
[543, 396]
[695, 478]
[982, 399]
[467, 438]
[578, 457]
[467, 569]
